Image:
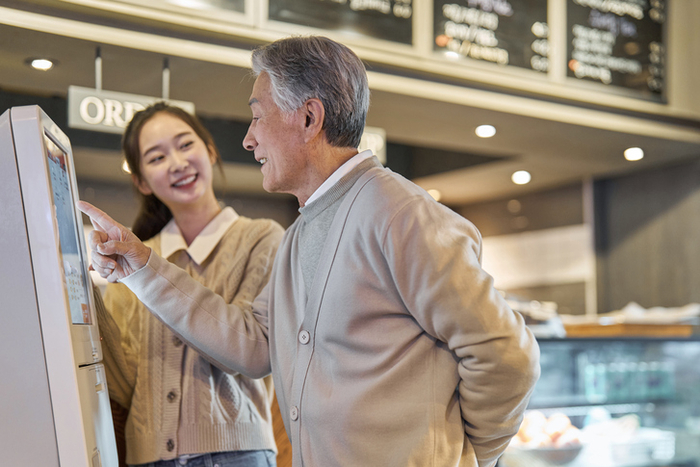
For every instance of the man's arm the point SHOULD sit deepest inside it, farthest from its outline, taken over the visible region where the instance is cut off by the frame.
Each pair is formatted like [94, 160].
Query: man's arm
[232, 337]
[435, 257]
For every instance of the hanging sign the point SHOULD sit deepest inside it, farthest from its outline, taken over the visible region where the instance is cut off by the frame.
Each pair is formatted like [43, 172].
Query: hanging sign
[109, 111]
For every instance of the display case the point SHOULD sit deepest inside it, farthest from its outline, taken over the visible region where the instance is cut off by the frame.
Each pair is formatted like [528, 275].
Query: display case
[636, 402]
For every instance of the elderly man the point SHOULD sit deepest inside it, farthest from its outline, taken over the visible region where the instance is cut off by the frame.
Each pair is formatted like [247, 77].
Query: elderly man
[387, 342]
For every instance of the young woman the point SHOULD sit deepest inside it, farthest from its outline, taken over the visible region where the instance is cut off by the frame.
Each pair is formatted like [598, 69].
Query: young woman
[182, 408]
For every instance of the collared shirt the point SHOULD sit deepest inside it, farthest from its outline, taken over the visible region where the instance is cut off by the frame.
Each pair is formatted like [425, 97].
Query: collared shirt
[171, 239]
[335, 177]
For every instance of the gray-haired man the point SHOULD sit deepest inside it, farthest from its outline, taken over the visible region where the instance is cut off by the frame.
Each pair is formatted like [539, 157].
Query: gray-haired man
[388, 344]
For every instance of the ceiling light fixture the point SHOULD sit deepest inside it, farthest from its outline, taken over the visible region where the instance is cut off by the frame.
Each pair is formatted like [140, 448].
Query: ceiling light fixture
[485, 131]
[42, 64]
[634, 154]
[521, 177]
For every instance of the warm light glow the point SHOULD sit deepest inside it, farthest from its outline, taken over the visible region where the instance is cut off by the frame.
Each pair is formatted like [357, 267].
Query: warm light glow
[42, 64]
[435, 194]
[125, 167]
[452, 55]
[514, 206]
[634, 154]
[192, 4]
[485, 131]
[521, 177]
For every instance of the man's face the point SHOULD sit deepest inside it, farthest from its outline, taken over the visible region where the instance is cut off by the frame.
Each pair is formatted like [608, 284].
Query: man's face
[277, 140]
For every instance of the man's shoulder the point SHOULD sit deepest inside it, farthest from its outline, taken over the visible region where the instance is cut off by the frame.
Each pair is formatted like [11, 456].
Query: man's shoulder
[386, 188]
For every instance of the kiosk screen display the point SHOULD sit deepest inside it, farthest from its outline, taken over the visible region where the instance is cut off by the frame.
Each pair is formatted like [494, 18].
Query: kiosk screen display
[74, 279]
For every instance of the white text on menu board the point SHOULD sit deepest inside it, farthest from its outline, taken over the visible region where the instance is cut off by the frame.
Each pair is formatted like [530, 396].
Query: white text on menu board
[401, 8]
[473, 29]
[592, 55]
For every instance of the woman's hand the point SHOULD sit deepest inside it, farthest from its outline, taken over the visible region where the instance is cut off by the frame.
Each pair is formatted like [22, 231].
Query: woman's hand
[116, 251]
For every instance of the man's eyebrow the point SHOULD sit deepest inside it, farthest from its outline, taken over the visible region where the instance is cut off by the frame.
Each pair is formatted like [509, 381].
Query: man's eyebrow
[252, 101]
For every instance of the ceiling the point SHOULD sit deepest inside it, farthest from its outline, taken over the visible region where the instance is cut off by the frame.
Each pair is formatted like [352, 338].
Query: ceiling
[557, 141]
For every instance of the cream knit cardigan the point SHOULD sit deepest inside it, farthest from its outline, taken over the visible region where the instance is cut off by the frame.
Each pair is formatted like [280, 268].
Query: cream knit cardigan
[179, 402]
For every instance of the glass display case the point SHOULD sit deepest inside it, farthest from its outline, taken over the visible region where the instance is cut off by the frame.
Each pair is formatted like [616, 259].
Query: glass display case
[630, 402]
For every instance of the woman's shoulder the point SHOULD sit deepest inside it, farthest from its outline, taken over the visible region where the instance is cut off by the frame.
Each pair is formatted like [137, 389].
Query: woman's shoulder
[255, 229]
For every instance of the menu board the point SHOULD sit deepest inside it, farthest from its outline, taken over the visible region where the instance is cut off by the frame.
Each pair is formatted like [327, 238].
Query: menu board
[229, 5]
[389, 20]
[618, 43]
[506, 32]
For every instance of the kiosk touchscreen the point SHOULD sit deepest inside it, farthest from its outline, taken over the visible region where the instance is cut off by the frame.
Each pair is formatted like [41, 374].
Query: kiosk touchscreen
[54, 405]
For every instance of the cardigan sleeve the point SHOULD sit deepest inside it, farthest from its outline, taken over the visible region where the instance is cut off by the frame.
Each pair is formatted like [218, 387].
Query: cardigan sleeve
[119, 340]
[434, 255]
[231, 336]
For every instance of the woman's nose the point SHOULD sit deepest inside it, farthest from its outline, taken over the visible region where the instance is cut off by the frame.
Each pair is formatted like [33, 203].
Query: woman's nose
[180, 162]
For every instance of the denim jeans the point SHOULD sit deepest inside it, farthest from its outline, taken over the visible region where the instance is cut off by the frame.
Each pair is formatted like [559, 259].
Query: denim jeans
[222, 459]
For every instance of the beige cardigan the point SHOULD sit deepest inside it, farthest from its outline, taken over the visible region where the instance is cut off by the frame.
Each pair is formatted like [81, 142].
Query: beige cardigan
[179, 403]
[403, 354]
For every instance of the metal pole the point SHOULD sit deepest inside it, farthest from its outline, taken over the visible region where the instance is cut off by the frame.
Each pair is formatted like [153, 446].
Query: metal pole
[98, 69]
[166, 79]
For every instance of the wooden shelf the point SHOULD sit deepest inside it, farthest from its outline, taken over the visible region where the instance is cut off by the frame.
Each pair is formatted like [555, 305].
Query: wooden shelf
[643, 330]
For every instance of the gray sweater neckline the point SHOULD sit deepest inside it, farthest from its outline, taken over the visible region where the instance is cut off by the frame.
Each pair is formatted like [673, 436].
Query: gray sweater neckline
[337, 191]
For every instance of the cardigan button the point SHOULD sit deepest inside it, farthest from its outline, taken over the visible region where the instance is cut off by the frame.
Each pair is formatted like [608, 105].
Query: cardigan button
[304, 337]
[170, 445]
[294, 413]
[171, 396]
[177, 342]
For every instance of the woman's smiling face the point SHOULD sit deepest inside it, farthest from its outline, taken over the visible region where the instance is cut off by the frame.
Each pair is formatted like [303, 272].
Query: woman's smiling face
[176, 165]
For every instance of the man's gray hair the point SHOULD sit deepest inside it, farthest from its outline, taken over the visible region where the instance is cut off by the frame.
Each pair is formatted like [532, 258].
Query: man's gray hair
[302, 68]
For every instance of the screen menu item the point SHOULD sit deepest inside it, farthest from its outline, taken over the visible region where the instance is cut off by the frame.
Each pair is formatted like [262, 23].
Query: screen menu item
[389, 20]
[506, 32]
[618, 43]
[74, 279]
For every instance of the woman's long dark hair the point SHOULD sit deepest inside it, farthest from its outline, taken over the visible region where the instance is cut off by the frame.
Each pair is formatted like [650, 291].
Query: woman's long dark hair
[153, 214]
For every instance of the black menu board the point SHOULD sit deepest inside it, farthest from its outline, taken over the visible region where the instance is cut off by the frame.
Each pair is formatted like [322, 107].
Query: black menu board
[390, 20]
[229, 5]
[618, 43]
[507, 32]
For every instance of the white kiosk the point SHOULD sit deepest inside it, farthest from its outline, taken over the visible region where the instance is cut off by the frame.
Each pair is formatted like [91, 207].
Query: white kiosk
[54, 405]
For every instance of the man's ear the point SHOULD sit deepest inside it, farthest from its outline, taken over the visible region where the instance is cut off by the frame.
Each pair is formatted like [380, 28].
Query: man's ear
[141, 185]
[314, 114]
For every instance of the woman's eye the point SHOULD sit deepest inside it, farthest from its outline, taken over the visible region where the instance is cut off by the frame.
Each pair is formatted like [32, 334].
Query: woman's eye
[156, 159]
[186, 144]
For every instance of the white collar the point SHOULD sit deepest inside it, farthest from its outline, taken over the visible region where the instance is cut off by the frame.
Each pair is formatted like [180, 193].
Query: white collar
[171, 239]
[340, 172]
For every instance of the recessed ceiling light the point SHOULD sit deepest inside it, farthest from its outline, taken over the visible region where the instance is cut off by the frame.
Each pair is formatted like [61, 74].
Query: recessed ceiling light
[521, 177]
[634, 154]
[42, 64]
[485, 131]
[435, 194]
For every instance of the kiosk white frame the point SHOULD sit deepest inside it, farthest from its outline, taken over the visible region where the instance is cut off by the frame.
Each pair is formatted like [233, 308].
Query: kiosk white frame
[53, 382]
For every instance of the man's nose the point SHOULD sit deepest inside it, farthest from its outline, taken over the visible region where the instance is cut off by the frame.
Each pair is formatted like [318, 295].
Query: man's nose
[249, 142]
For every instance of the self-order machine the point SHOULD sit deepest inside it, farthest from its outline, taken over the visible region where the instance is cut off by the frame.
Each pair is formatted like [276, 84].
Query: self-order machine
[54, 405]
